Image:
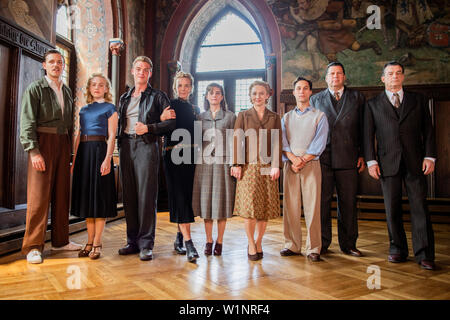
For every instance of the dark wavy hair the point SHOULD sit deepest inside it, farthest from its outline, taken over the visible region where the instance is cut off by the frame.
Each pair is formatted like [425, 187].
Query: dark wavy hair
[223, 103]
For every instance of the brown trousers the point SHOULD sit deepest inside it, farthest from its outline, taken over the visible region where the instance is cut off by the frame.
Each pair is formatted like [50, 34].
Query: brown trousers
[50, 186]
[304, 186]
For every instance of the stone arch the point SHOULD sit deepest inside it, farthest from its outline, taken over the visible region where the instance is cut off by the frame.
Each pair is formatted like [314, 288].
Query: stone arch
[192, 17]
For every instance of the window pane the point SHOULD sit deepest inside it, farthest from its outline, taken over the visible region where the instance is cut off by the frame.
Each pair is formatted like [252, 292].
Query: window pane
[66, 55]
[62, 22]
[201, 88]
[242, 101]
[230, 29]
[231, 58]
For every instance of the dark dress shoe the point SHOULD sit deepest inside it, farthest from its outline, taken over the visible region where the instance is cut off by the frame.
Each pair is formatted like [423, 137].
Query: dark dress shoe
[286, 253]
[128, 249]
[314, 257]
[178, 244]
[427, 264]
[353, 252]
[191, 252]
[208, 248]
[324, 251]
[146, 254]
[396, 258]
[218, 249]
[260, 255]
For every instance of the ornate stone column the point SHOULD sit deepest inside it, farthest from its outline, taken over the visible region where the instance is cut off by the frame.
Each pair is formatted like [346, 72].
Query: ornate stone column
[173, 66]
[116, 45]
[271, 62]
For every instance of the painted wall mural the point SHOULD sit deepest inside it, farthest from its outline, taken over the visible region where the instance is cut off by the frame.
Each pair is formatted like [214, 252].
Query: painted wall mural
[91, 44]
[31, 15]
[316, 32]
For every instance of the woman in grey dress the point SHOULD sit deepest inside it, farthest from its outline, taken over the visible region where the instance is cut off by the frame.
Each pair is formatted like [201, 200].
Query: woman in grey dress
[214, 188]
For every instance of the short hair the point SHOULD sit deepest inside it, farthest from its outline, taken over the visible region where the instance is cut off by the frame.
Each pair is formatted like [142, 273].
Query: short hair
[88, 95]
[180, 75]
[259, 83]
[223, 103]
[52, 51]
[393, 63]
[303, 79]
[144, 59]
[335, 64]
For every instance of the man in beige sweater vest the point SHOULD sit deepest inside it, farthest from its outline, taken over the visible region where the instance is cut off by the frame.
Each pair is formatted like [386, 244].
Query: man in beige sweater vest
[305, 131]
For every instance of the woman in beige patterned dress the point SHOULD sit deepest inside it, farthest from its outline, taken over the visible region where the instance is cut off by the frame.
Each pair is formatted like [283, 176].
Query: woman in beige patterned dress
[256, 166]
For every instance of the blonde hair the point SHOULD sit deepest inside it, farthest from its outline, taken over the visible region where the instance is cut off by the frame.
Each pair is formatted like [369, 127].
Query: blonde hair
[260, 83]
[144, 59]
[108, 95]
[180, 75]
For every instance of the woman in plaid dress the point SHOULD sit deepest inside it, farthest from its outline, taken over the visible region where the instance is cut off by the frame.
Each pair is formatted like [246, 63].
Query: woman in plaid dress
[214, 188]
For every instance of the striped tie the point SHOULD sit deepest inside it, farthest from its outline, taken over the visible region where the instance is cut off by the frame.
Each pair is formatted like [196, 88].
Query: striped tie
[396, 100]
[336, 95]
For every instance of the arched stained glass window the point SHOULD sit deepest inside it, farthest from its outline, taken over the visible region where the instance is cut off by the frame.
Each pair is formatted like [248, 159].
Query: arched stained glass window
[230, 53]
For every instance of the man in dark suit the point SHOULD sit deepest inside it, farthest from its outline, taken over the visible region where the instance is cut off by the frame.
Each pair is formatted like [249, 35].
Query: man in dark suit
[342, 158]
[406, 151]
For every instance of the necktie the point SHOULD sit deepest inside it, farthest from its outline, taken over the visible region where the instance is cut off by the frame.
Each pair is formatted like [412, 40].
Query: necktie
[396, 100]
[336, 95]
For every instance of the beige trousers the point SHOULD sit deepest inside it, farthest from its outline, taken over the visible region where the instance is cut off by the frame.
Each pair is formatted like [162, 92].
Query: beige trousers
[302, 187]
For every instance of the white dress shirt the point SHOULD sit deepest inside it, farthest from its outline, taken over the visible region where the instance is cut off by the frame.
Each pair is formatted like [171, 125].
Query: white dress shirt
[58, 90]
[341, 92]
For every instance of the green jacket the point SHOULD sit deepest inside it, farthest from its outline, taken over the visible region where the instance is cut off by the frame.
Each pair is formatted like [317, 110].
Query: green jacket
[40, 108]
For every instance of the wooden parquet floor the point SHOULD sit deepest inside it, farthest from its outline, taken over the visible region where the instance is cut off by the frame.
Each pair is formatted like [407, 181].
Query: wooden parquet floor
[231, 276]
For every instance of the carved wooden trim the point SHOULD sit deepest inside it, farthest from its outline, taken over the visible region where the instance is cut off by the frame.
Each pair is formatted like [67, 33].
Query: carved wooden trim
[19, 37]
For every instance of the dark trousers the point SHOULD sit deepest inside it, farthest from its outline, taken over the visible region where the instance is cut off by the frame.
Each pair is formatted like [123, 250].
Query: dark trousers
[421, 228]
[139, 164]
[346, 182]
[50, 186]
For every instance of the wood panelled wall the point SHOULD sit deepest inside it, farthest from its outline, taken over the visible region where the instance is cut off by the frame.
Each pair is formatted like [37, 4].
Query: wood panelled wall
[4, 66]
[21, 56]
[439, 98]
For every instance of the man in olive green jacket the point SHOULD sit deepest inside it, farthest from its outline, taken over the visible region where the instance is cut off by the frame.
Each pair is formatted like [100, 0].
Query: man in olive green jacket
[45, 131]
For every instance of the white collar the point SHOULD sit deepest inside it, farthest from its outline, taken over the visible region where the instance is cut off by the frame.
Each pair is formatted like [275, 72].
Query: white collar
[341, 91]
[100, 101]
[390, 95]
[54, 83]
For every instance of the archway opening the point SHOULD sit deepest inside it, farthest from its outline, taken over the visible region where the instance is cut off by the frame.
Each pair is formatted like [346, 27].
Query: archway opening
[229, 52]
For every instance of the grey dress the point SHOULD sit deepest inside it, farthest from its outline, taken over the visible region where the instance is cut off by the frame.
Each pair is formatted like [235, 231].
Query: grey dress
[214, 187]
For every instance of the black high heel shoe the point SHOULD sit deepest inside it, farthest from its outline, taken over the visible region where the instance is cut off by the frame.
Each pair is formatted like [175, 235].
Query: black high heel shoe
[191, 252]
[178, 244]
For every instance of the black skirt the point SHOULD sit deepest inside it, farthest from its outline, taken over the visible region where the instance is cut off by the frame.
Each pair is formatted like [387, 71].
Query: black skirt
[93, 195]
[179, 181]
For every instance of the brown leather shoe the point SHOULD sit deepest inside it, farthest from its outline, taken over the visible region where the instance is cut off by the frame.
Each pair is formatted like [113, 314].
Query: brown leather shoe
[427, 264]
[252, 257]
[314, 257]
[353, 252]
[85, 253]
[208, 248]
[96, 252]
[286, 253]
[396, 258]
[260, 255]
[218, 249]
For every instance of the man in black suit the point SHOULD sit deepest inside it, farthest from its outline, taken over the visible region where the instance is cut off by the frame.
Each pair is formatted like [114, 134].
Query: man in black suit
[406, 151]
[342, 158]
